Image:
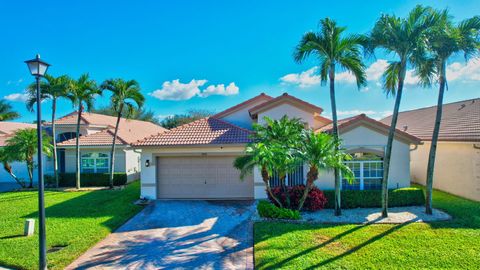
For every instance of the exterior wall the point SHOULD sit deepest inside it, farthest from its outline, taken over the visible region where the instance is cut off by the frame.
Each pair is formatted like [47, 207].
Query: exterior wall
[242, 117]
[457, 168]
[84, 130]
[132, 164]
[148, 174]
[288, 110]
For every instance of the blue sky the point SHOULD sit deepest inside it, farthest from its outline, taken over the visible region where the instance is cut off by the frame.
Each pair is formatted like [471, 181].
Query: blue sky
[206, 54]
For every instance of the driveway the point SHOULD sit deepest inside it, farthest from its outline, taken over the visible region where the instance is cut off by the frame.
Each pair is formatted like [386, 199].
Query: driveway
[179, 235]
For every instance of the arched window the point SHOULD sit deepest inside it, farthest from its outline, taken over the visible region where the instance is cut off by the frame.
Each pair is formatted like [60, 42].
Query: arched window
[94, 162]
[367, 166]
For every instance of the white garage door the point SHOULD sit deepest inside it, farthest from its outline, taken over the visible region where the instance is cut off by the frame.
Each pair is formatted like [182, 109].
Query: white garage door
[201, 177]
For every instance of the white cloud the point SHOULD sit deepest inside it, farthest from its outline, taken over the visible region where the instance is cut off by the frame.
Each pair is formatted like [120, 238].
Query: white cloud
[161, 117]
[220, 89]
[176, 90]
[304, 79]
[19, 97]
[464, 72]
[370, 113]
[375, 70]
[17, 82]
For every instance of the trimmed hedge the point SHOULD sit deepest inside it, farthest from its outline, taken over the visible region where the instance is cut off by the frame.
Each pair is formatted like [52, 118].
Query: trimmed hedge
[268, 210]
[315, 201]
[88, 179]
[410, 196]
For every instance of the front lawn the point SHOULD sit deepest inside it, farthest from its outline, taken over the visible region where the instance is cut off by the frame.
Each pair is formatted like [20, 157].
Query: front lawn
[450, 244]
[76, 220]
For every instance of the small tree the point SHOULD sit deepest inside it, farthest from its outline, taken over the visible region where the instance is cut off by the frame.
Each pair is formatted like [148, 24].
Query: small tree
[23, 147]
[321, 152]
[6, 160]
[7, 112]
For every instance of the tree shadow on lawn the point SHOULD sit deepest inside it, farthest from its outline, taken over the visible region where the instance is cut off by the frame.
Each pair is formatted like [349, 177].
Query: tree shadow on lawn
[335, 239]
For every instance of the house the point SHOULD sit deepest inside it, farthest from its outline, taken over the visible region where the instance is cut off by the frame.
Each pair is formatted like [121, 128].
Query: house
[96, 136]
[457, 163]
[194, 161]
[7, 130]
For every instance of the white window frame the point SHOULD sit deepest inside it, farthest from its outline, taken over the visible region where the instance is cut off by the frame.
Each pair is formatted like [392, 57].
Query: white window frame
[362, 178]
[95, 168]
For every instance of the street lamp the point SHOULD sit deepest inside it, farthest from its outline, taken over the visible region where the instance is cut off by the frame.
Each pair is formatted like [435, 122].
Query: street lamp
[38, 68]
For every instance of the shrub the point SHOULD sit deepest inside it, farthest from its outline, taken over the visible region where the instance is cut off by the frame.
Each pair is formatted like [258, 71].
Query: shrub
[268, 210]
[411, 196]
[315, 201]
[87, 179]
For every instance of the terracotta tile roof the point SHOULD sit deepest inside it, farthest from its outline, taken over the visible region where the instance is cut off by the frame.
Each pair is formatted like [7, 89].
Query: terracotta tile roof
[460, 121]
[287, 99]
[206, 131]
[239, 106]
[346, 122]
[11, 127]
[129, 130]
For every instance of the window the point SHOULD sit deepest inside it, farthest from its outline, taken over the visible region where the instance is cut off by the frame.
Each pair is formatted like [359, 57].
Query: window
[368, 171]
[66, 136]
[293, 179]
[94, 163]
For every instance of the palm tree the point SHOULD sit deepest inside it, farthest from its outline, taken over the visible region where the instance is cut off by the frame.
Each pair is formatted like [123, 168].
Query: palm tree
[52, 88]
[406, 38]
[333, 49]
[6, 159]
[82, 93]
[321, 152]
[23, 147]
[126, 99]
[6, 111]
[445, 40]
[273, 150]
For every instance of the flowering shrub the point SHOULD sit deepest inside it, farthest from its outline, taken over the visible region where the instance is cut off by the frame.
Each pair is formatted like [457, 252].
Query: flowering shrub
[315, 201]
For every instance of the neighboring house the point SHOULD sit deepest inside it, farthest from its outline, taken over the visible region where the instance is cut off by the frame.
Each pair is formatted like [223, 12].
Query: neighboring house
[195, 161]
[457, 164]
[96, 136]
[7, 130]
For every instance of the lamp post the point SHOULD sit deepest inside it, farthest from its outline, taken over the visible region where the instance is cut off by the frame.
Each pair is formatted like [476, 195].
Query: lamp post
[38, 68]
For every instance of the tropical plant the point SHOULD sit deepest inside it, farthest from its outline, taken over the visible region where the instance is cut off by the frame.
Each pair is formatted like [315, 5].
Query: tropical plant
[125, 100]
[333, 49]
[273, 150]
[322, 152]
[82, 93]
[52, 88]
[22, 146]
[444, 40]
[6, 111]
[6, 161]
[406, 38]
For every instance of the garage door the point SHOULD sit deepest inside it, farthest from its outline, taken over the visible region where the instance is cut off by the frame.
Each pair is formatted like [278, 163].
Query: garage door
[201, 177]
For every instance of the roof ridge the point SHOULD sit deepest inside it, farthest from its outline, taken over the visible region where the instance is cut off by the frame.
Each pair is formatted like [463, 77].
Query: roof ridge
[429, 107]
[232, 108]
[113, 134]
[233, 125]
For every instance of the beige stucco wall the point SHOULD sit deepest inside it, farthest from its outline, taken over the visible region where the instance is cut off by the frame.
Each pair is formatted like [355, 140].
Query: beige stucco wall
[132, 164]
[242, 117]
[148, 174]
[457, 168]
[288, 110]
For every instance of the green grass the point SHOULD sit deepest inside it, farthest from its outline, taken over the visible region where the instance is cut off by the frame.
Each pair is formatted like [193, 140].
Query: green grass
[75, 219]
[453, 244]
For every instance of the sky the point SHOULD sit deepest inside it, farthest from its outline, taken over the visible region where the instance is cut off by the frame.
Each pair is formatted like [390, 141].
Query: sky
[208, 54]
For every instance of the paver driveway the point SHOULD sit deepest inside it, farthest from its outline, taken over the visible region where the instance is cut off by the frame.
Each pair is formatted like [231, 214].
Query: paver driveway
[178, 235]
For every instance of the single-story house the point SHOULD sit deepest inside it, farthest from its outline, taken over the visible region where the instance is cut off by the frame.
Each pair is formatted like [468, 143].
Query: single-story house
[195, 161]
[457, 164]
[7, 130]
[96, 136]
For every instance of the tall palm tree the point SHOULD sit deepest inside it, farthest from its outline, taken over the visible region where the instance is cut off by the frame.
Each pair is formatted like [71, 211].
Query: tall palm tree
[321, 152]
[82, 93]
[126, 99]
[6, 111]
[444, 40]
[23, 147]
[52, 88]
[406, 38]
[333, 49]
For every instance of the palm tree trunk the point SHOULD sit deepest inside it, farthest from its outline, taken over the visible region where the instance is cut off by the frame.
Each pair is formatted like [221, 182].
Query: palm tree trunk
[30, 173]
[54, 141]
[266, 180]
[285, 190]
[9, 170]
[433, 146]
[391, 134]
[77, 147]
[112, 153]
[312, 175]
[338, 202]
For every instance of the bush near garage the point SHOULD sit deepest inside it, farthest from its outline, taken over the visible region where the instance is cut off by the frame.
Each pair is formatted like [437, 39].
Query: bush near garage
[268, 210]
[87, 179]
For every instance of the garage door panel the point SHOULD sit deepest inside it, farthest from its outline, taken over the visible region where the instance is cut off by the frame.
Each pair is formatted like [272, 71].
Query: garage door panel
[201, 177]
